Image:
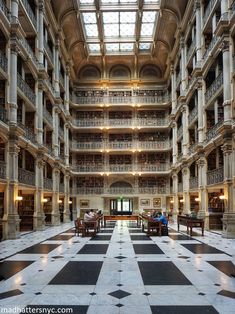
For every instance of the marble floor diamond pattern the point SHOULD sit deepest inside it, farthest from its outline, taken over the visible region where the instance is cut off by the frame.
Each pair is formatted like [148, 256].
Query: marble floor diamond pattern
[120, 270]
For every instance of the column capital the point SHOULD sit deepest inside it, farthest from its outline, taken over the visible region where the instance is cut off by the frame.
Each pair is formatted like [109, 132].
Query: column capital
[225, 44]
[41, 6]
[201, 162]
[57, 109]
[185, 170]
[182, 40]
[227, 148]
[197, 5]
[14, 44]
[183, 108]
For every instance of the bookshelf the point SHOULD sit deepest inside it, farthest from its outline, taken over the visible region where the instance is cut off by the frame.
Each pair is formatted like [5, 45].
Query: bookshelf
[216, 210]
[26, 210]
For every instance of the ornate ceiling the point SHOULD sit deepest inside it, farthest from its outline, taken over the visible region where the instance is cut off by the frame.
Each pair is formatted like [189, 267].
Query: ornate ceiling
[133, 33]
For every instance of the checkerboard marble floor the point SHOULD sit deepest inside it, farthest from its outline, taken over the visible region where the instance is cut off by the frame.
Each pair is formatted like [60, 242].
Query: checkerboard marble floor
[118, 271]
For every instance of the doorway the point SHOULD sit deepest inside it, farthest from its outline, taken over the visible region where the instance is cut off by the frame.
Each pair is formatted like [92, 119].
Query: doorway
[121, 206]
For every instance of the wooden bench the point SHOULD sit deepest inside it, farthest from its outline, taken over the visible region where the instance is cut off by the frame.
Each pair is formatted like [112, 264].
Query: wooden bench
[121, 217]
[190, 223]
[153, 226]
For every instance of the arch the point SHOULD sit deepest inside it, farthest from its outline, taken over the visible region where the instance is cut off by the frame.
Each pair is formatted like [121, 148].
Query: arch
[90, 72]
[150, 71]
[120, 72]
[120, 184]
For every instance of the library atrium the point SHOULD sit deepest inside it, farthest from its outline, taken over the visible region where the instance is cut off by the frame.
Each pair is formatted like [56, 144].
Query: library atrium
[126, 108]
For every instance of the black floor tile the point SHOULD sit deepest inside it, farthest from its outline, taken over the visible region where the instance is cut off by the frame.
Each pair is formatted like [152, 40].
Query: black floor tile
[202, 249]
[227, 293]
[140, 238]
[10, 268]
[227, 267]
[39, 249]
[101, 238]
[183, 309]
[11, 293]
[94, 249]
[61, 237]
[106, 231]
[180, 237]
[135, 231]
[76, 309]
[119, 294]
[78, 273]
[72, 230]
[162, 273]
[147, 249]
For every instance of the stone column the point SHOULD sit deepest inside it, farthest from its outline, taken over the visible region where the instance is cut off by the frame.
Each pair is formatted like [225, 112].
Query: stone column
[39, 217]
[227, 81]
[224, 6]
[66, 198]
[184, 110]
[183, 65]
[200, 104]
[229, 207]
[173, 88]
[13, 81]
[203, 195]
[66, 144]
[174, 144]
[39, 115]
[40, 32]
[57, 72]
[186, 196]
[55, 138]
[10, 220]
[198, 30]
[55, 214]
[66, 95]
[175, 195]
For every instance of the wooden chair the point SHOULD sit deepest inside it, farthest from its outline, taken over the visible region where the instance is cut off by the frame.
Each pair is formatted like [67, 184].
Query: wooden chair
[79, 227]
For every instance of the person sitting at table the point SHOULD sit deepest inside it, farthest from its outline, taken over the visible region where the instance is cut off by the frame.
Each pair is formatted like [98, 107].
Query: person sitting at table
[161, 218]
[93, 213]
[88, 216]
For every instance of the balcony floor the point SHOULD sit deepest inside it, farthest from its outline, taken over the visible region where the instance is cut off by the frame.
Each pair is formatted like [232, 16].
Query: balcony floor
[126, 273]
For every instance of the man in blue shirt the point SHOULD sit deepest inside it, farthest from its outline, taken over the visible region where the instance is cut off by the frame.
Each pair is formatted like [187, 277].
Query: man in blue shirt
[161, 218]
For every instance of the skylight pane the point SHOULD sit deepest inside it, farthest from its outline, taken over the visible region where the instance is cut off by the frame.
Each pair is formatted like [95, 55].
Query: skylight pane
[89, 18]
[111, 30]
[144, 46]
[147, 29]
[127, 17]
[111, 17]
[91, 30]
[94, 47]
[87, 1]
[127, 30]
[126, 46]
[148, 17]
[112, 47]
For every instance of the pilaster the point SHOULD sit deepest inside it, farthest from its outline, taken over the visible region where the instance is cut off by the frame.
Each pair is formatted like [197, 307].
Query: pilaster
[39, 217]
[66, 198]
[186, 196]
[55, 214]
[226, 80]
[203, 195]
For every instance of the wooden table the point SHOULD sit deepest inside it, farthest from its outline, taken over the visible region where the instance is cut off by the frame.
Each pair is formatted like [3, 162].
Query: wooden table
[190, 222]
[121, 217]
[153, 226]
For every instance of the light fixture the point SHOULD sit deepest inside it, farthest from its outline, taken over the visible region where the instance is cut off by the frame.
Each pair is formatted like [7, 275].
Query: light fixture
[182, 201]
[19, 198]
[70, 202]
[59, 201]
[221, 197]
[44, 200]
[171, 201]
[197, 199]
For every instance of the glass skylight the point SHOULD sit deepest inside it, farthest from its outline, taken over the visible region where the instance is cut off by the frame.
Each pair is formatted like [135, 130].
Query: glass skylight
[117, 27]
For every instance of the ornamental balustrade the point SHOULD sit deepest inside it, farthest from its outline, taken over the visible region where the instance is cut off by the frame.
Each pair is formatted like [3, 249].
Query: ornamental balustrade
[180, 131]
[30, 13]
[48, 184]
[214, 87]
[47, 116]
[61, 187]
[87, 145]
[193, 114]
[5, 10]
[208, 10]
[120, 168]
[191, 49]
[152, 168]
[23, 42]
[26, 176]
[29, 134]
[2, 170]
[120, 145]
[48, 50]
[26, 90]
[210, 47]
[88, 168]
[120, 190]
[3, 61]
[192, 147]
[152, 122]
[88, 191]
[212, 132]
[193, 183]
[120, 122]
[88, 122]
[215, 176]
[154, 145]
